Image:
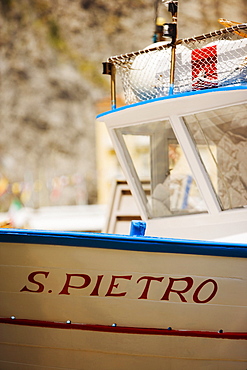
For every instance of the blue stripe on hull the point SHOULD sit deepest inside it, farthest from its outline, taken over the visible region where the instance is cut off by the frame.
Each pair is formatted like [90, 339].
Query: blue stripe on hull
[123, 242]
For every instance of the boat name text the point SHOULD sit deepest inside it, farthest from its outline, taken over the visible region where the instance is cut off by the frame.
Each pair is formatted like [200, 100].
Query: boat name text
[203, 292]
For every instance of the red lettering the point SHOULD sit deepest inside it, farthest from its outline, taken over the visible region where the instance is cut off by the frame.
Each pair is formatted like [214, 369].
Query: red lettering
[147, 286]
[113, 285]
[33, 281]
[95, 291]
[199, 288]
[87, 281]
[169, 289]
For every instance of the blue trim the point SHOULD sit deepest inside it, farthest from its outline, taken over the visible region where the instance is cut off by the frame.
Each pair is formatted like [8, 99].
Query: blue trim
[123, 242]
[171, 89]
[190, 93]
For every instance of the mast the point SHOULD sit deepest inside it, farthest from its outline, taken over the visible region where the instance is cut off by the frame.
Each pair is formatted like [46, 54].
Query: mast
[170, 30]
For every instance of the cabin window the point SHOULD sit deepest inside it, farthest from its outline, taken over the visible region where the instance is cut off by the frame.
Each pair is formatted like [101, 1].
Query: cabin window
[221, 140]
[154, 156]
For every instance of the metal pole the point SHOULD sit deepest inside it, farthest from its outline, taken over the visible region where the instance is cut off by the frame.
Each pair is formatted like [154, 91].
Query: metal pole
[113, 87]
[109, 69]
[172, 70]
[173, 52]
[171, 31]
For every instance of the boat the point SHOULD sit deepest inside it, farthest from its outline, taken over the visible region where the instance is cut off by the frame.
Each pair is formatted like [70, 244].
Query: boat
[172, 293]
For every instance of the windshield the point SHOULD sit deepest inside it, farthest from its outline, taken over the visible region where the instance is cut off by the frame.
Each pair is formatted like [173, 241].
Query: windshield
[221, 140]
[154, 154]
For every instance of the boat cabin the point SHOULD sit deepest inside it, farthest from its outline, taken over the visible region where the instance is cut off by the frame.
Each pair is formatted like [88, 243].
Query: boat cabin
[193, 148]
[191, 140]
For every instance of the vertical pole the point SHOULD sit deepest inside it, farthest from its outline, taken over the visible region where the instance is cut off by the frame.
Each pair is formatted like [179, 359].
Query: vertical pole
[172, 70]
[173, 8]
[109, 69]
[113, 87]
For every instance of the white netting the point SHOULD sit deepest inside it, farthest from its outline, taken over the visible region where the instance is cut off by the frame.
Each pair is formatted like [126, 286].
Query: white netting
[213, 60]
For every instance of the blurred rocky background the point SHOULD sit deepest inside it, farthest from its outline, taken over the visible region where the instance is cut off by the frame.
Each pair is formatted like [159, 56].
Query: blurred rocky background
[51, 84]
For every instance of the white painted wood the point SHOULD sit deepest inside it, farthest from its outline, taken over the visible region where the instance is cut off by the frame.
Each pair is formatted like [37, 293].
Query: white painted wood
[46, 348]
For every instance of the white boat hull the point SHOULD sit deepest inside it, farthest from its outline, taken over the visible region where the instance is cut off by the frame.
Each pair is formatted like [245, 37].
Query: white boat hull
[86, 301]
[46, 348]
